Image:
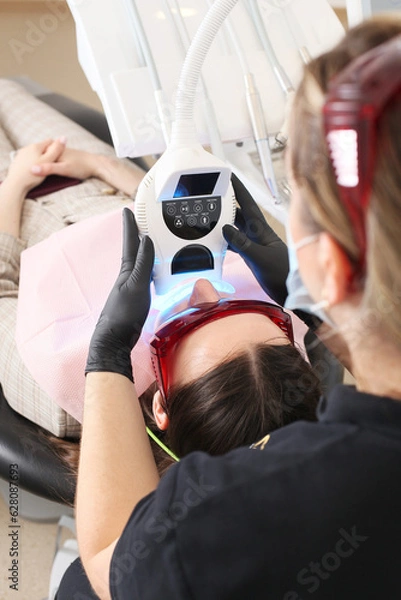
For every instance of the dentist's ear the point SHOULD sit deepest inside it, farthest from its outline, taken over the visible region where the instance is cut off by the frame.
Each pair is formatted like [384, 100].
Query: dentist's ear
[337, 269]
[160, 415]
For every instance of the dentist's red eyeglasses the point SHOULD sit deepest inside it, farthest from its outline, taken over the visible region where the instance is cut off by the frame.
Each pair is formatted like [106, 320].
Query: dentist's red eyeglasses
[168, 336]
[355, 100]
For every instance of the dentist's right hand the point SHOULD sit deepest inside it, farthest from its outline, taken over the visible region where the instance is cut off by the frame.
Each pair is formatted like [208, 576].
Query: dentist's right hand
[124, 314]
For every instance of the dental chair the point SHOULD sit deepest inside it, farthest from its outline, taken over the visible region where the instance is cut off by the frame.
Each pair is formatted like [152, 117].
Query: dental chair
[40, 471]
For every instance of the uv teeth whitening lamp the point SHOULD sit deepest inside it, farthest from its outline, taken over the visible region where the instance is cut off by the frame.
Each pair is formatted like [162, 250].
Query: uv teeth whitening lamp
[182, 204]
[186, 198]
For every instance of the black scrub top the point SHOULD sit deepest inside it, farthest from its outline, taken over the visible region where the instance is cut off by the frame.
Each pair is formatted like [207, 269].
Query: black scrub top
[313, 511]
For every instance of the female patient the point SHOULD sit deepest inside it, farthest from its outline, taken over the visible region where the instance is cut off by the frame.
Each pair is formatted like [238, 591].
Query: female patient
[252, 390]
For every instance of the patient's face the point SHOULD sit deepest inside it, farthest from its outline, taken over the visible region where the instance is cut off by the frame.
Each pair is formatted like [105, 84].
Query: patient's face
[207, 346]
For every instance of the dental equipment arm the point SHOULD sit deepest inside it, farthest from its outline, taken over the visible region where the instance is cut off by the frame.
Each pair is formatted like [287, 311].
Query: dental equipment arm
[117, 468]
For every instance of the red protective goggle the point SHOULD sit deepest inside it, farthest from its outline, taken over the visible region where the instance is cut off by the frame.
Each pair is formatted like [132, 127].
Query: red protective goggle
[355, 99]
[166, 338]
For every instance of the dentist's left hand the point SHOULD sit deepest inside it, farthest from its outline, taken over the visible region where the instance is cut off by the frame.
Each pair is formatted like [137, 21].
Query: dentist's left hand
[124, 314]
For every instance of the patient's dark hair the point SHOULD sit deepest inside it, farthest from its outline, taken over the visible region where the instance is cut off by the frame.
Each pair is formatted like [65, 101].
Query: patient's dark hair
[235, 404]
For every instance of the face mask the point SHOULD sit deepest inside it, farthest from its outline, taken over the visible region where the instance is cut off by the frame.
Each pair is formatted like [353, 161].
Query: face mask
[298, 295]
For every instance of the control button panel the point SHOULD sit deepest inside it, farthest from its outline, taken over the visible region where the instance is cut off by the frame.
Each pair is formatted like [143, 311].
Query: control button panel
[191, 218]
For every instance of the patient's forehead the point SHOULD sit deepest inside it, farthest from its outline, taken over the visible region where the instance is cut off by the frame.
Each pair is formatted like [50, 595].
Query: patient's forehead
[214, 342]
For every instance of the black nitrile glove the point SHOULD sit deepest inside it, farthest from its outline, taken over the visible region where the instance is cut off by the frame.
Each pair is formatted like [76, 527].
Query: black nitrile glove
[122, 318]
[256, 242]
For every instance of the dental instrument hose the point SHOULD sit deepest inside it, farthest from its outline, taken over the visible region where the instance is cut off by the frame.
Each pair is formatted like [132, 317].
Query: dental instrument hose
[208, 110]
[281, 75]
[256, 114]
[160, 99]
[183, 129]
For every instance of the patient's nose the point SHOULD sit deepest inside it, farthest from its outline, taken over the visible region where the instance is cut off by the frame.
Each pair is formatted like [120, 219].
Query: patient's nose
[203, 291]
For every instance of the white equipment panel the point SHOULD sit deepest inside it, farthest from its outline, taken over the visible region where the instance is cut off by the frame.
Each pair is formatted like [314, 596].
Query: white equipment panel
[111, 58]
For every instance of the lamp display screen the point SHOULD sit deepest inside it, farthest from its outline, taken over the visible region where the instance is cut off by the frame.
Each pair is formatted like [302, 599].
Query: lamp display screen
[198, 184]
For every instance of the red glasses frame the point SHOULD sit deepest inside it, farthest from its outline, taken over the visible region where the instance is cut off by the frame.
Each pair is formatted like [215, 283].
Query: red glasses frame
[355, 99]
[168, 336]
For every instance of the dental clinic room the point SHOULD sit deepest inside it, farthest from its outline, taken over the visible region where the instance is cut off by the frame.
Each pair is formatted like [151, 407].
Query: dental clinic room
[200, 304]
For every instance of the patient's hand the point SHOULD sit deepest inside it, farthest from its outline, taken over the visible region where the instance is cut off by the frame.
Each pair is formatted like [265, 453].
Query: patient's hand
[20, 172]
[70, 163]
[118, 173]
